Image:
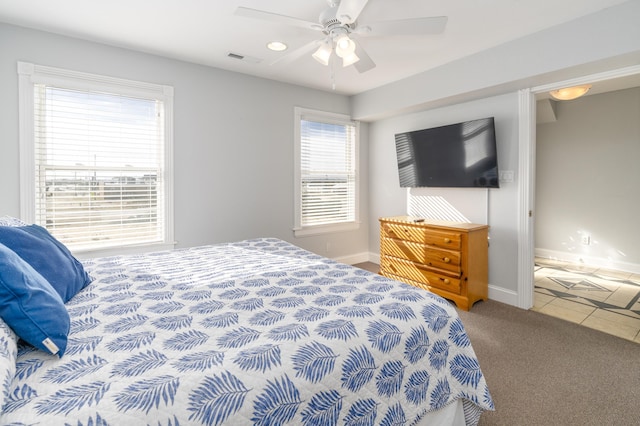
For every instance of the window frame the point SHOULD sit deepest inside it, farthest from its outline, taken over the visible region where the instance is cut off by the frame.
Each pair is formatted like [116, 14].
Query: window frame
[330, 118]
[29, 75]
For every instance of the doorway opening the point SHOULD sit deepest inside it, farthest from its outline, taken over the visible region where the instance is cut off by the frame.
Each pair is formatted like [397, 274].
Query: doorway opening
[602, 82]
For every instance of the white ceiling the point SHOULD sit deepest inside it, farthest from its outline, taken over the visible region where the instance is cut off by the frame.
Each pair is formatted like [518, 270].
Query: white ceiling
[205, 31]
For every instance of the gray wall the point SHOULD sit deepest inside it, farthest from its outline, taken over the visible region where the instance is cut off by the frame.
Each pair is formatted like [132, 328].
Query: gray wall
[588, 172]
[233, 140]
[388, 199]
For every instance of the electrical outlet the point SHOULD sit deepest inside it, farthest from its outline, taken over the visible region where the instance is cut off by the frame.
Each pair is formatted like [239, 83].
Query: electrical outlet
[586, 240]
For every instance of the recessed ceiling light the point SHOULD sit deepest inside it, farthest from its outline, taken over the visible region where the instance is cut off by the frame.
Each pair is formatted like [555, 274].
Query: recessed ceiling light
[276, 46]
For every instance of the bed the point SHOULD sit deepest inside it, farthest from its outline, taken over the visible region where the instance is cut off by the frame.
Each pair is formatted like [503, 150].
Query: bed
[256, 332]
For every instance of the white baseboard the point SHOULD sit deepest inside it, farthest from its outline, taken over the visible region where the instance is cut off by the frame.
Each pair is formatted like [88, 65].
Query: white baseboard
[359, 258]
[353, 258]
[588, 260]
[503, 295]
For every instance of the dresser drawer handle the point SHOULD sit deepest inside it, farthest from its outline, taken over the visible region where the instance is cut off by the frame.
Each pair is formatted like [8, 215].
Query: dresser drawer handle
[445, 280]
[446, 260]
[447, 240]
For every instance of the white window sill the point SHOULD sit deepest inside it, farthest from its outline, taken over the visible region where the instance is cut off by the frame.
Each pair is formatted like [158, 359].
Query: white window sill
[117, 251]
[325, 229]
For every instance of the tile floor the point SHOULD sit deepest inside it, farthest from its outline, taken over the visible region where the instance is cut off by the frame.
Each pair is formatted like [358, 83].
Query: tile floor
[602, 299]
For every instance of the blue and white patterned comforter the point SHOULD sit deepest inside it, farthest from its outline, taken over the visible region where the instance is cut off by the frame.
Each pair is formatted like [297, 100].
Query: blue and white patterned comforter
[255, 332]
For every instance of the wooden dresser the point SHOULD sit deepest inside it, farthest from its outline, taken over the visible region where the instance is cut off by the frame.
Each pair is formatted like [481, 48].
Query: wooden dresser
[446, 258]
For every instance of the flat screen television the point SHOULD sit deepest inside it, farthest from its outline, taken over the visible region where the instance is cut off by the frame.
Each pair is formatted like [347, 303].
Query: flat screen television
[461, 155]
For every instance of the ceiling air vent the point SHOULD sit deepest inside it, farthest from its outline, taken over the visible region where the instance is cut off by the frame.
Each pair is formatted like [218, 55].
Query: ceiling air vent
[244, 58]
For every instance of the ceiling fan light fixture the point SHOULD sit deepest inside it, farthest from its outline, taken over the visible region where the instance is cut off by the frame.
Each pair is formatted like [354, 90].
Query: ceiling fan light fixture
[344, 46]
[350, 60]
[323, 53]
[570, 93]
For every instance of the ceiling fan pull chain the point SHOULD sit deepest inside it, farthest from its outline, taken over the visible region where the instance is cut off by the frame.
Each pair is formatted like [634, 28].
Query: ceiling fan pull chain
[332, 73]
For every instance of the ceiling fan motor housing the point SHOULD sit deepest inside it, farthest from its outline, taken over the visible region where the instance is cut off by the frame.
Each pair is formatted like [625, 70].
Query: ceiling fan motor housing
[331, 25]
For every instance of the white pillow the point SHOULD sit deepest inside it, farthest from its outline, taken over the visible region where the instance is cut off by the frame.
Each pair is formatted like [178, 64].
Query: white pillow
[8, 339]
[11, 221]
[8, 355]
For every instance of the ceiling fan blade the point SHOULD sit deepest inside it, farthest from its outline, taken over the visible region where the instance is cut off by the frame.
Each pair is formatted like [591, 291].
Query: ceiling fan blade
[349, 10]
[411, 26]
[296, 54]
[276, 18]
[365, 63]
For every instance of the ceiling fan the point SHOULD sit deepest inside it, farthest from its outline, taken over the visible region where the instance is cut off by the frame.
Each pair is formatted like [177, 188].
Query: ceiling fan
[340, 28]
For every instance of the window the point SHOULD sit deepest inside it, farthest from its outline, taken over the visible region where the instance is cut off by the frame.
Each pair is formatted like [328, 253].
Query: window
[326, 172]
[96, 158]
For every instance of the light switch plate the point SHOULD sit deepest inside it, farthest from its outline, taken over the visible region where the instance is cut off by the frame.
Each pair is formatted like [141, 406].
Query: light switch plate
[506, 175]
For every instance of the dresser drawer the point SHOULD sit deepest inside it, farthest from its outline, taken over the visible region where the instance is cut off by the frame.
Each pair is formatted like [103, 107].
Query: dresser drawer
[422, 253]
[417, 272]
[405, 280]
[444, 239]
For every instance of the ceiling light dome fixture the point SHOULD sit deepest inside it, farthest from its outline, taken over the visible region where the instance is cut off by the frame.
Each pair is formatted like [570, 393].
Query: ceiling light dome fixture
[570, 93]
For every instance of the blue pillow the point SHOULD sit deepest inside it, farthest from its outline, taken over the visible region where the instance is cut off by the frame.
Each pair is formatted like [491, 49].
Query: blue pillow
[48, 256]
[30, 306]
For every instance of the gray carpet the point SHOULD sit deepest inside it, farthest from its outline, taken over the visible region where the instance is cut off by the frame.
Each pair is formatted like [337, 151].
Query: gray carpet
[543, 370]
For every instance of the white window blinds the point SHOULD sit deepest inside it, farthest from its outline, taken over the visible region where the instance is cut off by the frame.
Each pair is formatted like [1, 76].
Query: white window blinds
[327, 171]
[99, 159]
[98, 167]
